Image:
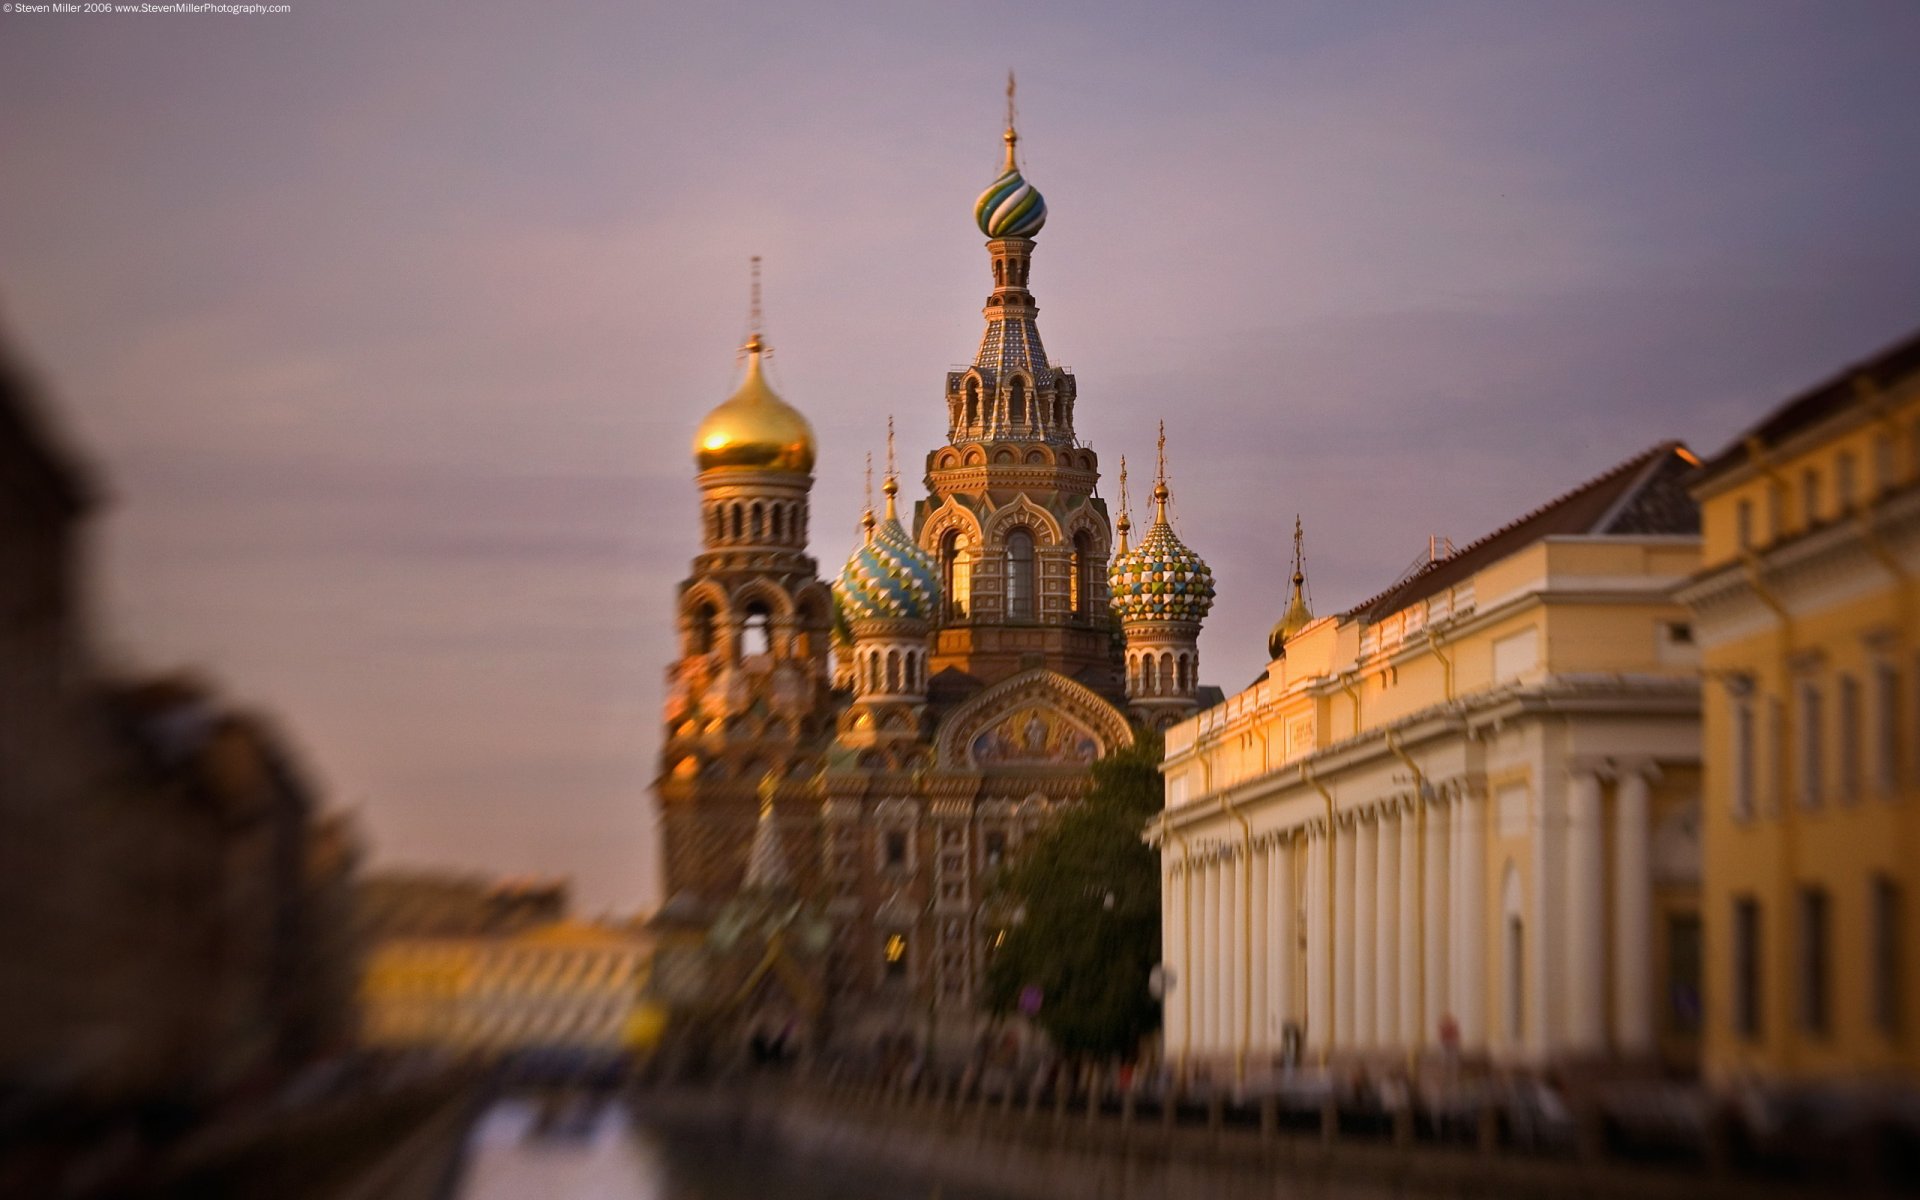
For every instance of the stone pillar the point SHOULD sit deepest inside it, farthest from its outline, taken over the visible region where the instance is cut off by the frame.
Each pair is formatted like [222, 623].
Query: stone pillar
[1234, 951]
[1471, 933]
[1283, 940]
[1343, 841]
[1366, 930]
[1386, 926]
[1319, 978]
[1408, 926]
[1437, 1003]
[1172, 928]
[1586, 949]
[1543, 930]
[1258, 952]
[1223, 955]
[1632, 918]
[1200, 997]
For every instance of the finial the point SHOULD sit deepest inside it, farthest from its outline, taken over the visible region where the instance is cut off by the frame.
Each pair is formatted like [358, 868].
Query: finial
[891, 485]
[1160, 492]
[1299, 553]
[755, 343]
[1010, 135]
[866, 518]
[1125, 523]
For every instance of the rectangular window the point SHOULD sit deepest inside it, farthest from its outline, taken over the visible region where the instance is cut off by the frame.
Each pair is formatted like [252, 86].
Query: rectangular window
[1844, 482]
[1813, 960]
[1886, 728]
[1887, 963]
[896, 849]
[1777, 752]
[1683, 974]
[1743, 759]
[1810, 498]
[996, 848]
[1746, 967]
[1811, 765]
[1852, 729]
[1743, 524]
[1777, 511]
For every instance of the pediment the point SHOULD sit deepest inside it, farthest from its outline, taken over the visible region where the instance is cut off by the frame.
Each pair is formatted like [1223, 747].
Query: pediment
[1035, 720]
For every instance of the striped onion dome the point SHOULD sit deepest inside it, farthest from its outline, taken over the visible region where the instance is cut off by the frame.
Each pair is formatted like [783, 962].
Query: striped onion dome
[1011, 207]
[888, 578]
[1160, 580]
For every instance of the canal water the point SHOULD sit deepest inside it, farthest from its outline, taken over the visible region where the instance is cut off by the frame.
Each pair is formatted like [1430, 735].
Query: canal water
[610, 1156]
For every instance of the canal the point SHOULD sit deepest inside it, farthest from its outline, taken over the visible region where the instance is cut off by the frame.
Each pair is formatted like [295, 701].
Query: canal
[610, 1156]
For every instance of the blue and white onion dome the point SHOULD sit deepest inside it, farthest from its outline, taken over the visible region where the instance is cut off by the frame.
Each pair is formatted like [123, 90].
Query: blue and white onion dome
[1010, 207]
[1160, 580]
[888, 578]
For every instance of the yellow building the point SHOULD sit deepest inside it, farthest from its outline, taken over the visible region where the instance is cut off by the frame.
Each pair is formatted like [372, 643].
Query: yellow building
[1805, 608]
[1459, 817]
[567, 985]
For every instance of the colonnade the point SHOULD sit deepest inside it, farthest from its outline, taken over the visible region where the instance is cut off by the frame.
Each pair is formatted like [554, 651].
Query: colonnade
[1382, 929]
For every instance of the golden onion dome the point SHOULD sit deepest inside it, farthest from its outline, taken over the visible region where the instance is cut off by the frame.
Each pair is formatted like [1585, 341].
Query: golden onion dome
[755, 429]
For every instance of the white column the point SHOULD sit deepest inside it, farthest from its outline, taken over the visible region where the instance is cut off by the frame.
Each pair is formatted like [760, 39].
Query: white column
[1319, 978]
[1386, 938]
[1408, 821]
[1632, 918]
[1283, 939]
[1259, 952]
[1544, 934]
[1201, 981]
[1366, 930]
[1437, 921]
[1234, 949]
[1471, 933]
[1586, 948]
[1223, 956]
[1172, 1003]
[1343, 843]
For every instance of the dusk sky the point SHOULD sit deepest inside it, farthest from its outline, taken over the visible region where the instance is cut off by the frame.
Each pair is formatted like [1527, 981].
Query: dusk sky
[388, 324]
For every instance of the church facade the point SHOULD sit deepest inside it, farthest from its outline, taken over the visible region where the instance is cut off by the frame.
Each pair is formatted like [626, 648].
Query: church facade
[894, 737]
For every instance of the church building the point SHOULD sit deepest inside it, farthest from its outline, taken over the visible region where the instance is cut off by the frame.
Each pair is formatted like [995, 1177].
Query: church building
[895, 737]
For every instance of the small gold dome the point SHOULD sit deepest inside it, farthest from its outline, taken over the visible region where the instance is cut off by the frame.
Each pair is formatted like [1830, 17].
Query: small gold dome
[755, 428]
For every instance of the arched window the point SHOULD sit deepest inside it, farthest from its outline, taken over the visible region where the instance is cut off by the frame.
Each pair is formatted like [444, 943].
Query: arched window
[779, 522]
[1182, 673]
[893, 672]
[758, 522]
[1020, 581]
[973, 402]
[1147, 684]
[700, 630]
[719, 516]
[736, 522]
[873, 671]
[1017, 401]
[1166, 672]
[757, 636]
[956, 573]
[1083, 577]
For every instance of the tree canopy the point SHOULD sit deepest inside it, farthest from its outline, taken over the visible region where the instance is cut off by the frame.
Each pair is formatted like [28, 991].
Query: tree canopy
[1082, 905]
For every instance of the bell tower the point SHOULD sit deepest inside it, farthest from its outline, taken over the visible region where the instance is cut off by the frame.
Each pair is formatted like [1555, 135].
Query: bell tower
[1019, 541]
[748, 713]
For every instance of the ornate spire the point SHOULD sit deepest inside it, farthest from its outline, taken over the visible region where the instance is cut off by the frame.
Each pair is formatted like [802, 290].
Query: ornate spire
[1160, 492]
[1124, 525]
[866, 518]
[1299, 614]
[1012, 137]
[755, 428]
[892, 484]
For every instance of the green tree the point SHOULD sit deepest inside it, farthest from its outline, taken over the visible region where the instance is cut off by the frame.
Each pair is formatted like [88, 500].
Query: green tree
[1082, 913]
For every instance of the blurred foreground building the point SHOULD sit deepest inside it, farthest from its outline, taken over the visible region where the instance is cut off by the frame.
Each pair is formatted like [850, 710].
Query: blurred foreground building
[172, 899]
[1806, 609]
[1461, 818]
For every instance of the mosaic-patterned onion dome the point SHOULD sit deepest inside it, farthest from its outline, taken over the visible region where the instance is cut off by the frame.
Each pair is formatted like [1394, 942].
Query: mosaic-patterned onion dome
[1160, 579]
[755, 428]
[1011, 207]
[888, 577]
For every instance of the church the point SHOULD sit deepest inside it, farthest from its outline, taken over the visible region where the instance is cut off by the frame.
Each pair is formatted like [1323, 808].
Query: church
[846, 765]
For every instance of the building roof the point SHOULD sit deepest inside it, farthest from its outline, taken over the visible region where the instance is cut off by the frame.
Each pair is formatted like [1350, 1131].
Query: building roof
[30, 451]
[1888, 366]
[1644, 495]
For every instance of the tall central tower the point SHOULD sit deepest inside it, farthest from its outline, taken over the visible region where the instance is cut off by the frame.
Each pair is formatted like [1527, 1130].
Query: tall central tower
[1019, 540]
